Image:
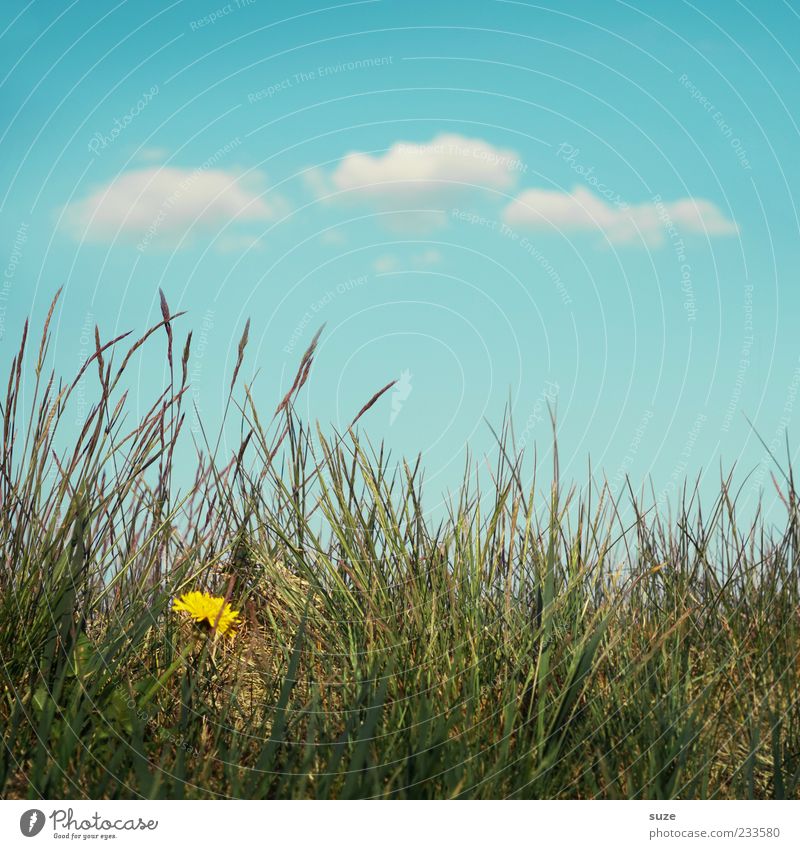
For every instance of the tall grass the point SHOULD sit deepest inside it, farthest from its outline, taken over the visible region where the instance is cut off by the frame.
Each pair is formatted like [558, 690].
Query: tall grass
[528, 645]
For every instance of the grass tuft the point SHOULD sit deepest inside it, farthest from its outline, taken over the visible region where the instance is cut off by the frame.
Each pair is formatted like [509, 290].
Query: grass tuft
[524, 646]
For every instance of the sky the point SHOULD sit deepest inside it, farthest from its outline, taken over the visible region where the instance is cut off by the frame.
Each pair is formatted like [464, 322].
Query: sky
[587, 207]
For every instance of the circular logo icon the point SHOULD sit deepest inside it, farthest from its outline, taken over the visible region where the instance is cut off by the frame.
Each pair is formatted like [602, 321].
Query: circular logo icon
[31, 822]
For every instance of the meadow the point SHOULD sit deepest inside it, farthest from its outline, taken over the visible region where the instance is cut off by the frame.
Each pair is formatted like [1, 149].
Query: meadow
[547, 640]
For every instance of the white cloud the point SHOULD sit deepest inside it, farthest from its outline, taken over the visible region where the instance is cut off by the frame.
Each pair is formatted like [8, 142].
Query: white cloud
[410, 171]
[411, 181]
[161, 205]
[581, 210]
[698, 215]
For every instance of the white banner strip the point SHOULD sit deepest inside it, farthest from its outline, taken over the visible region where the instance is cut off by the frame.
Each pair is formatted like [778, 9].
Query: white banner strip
[385, 824]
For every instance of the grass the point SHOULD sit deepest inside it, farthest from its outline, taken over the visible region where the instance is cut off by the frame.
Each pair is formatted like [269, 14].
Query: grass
[529, 645]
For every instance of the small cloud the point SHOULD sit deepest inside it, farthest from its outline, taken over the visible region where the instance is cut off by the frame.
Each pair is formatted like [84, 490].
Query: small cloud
[333, 236]
[385, 264]
[582, 211]
[427, 258]
[152, 154]
[163, 205]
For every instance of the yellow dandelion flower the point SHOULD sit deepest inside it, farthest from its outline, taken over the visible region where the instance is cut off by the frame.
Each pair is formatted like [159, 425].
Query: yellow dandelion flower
[208, 611]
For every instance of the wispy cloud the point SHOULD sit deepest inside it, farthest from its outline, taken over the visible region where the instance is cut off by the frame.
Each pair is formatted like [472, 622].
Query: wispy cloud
[333, 236]
[385, 263]
[389, 262]
[428, 257]
[582, 211]
[409, 185]
[162, 205]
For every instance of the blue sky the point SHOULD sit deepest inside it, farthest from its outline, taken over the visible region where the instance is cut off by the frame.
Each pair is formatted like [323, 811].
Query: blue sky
[590, 205]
